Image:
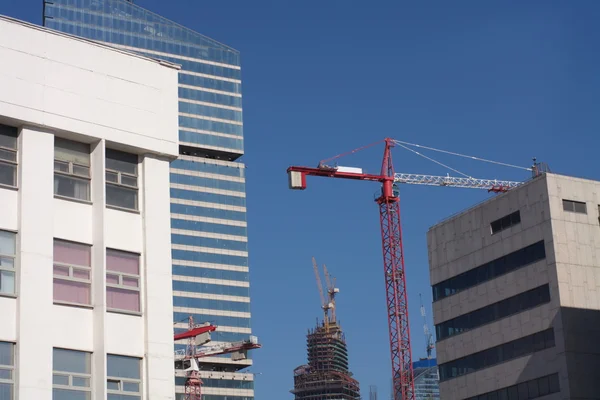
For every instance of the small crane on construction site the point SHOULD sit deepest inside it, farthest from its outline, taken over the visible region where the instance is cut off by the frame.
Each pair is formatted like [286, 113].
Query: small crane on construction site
[198, 336]
[429, 346]
[328, 305]
[391, 233]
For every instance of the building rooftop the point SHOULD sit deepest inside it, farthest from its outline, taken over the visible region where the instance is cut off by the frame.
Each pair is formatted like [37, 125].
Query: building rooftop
[91, 42]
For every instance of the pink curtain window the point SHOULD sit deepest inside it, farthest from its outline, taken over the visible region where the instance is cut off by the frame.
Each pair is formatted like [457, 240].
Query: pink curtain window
[72, 253]
[73, 292]
[120, 261]
[122, 299]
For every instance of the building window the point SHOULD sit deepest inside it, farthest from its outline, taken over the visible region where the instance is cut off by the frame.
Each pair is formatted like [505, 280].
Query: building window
[71, 375]
[7, 262]
[122, 280]
[72, 272]
[8, 155]
[574, 206]
[490, 270]
[528, 390]
[494, 312]
[71, 169]
[7, 370]
[121, 179]
[496, 355]
[506, 222]
[123, 377]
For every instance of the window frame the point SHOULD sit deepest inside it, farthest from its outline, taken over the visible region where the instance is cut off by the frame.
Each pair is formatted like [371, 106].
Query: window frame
[71, 375]
[508, 221]
[121, 381]
[70, 277]
[14, 268]
[119, 183]
[121, 286]
[11, 368]
[573, 206]
[70, 174]
[15, 151]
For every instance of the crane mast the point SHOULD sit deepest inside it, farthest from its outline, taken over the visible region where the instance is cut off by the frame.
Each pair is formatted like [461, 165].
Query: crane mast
[391, 240]
[428, 336]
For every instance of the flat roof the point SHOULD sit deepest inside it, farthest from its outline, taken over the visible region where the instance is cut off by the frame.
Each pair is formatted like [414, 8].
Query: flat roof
[26, 24]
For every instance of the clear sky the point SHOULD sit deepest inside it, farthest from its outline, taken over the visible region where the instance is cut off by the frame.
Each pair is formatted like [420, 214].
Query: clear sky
[506, 80]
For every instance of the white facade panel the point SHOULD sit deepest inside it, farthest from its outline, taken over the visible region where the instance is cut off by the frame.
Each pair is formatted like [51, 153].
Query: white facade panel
[124, 334]
[73, 221]
[58, 86]
[8, 327]
[124, 230]
[71, 328]
[9, 199]
[73, 85]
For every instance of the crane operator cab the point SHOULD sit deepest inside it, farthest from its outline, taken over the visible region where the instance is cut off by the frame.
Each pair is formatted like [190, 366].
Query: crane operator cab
[395, 190]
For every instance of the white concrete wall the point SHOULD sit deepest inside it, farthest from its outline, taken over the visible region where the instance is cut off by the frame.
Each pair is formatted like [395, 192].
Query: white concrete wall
[465, 242]
[54, 80]
[60, 86]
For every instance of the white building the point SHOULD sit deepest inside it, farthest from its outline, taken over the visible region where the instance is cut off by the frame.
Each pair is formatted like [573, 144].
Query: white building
[86, 136]
[516, 283]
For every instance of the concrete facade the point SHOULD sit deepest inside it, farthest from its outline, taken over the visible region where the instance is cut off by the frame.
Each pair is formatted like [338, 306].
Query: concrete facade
[55, 86]
[570, 268]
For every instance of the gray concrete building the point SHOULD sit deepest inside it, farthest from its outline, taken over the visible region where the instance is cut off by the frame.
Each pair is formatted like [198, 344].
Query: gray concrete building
[516, 294]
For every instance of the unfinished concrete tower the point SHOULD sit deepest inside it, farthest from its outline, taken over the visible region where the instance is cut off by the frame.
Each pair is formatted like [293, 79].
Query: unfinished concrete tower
[326, 376]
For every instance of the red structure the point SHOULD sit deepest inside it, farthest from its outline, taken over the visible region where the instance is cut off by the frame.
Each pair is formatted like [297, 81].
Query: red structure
[198, 336]
[393, 254]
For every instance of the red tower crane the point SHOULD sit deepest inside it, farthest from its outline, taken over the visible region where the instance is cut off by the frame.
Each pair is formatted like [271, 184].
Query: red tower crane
[391, 235]
[199, 335]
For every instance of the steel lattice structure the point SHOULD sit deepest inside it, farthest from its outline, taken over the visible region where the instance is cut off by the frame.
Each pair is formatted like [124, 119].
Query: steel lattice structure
[393, 254]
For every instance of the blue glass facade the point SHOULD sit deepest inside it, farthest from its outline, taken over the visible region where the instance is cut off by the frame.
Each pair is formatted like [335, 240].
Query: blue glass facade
[427, 380]
[208, 201]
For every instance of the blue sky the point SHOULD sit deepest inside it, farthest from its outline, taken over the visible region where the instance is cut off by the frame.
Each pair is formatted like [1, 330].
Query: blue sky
[506, 80]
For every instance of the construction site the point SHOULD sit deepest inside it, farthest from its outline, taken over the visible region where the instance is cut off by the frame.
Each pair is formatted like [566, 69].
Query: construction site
[327, 375]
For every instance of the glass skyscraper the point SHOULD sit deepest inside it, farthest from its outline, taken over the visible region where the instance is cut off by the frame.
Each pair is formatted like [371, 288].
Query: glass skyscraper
[427, 379]
[208, 200]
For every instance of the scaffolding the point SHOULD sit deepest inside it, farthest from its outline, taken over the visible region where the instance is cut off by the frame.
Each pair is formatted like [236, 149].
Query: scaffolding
[326, 376]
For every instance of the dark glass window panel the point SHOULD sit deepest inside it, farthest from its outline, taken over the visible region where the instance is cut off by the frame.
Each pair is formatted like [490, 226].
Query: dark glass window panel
[512, 305]
[495, 355]
[544, 385]
[120, 161]
[554, 384]
[8, 174]
[532, 387]
[119, 196]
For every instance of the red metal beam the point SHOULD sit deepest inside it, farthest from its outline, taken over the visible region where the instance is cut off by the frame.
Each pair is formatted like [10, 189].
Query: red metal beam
[195, 332]
[332, 173]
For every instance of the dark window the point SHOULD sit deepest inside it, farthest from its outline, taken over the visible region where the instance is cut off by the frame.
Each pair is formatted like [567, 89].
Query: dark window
[506, 222]
[8, 155]
[532, 387]
[553, 383]
[495, 355]
[493, 312]
[490, 270]
[121, 179]
[528, 390]
[72, 169]
[574, 206]
[544, 385]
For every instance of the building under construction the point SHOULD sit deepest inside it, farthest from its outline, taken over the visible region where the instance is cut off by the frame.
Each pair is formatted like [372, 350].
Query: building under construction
[327, 375]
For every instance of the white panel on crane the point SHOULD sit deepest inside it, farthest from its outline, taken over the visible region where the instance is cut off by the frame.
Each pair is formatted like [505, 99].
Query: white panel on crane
[296, 180]
[352, 170]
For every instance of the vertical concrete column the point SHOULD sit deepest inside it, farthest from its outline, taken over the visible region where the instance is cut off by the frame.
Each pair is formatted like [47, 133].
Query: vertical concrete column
[98, 270]
[35, 249]
[160, 370]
